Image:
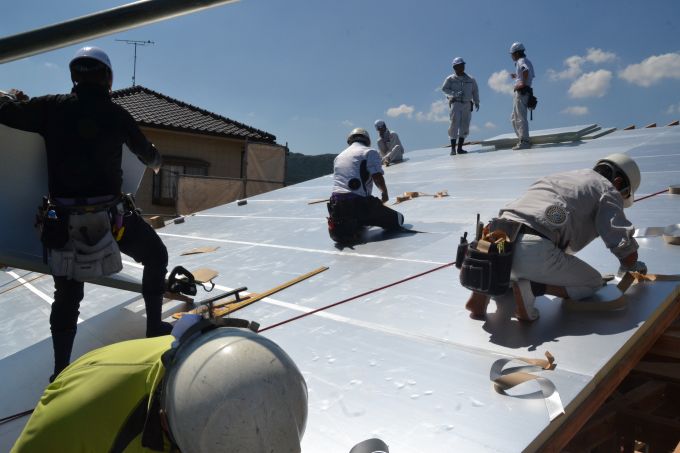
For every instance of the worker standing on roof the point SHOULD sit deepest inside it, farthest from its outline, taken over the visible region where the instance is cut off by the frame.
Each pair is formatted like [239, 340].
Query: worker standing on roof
[558, 216]
[462, 93]
[351, 204]
[389, 144]
[523, 76]
[84, 133]
[216, 389]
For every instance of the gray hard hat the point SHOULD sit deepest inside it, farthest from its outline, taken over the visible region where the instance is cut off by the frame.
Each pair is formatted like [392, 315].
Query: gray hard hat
[359, 134]
[516, 47]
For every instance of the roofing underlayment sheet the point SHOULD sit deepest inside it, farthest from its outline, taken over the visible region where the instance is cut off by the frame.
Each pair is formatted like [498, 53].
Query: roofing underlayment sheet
[405, 363]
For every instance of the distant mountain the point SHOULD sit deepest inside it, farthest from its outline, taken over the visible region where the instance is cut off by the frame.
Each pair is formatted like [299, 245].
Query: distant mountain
[300, 167]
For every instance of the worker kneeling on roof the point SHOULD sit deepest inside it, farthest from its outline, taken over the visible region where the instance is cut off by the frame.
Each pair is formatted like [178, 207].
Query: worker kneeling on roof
[558, 216]
[216, 389]
[351, 205]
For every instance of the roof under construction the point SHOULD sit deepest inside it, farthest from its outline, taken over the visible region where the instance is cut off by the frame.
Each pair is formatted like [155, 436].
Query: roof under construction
[395, 355]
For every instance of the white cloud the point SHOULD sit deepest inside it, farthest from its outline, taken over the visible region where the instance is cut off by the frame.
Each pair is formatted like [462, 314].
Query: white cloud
[591, 84]
[600, 56]
[439, 113]
[575, 62]
[348, 123]
[673, 109]
[403, 109]
[653, 69]
[489, 125]
[576, 110]
[501, 82]
[573, 70]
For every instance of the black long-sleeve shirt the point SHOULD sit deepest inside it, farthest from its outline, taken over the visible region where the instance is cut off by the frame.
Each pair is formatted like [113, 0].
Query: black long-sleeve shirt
[84, 133]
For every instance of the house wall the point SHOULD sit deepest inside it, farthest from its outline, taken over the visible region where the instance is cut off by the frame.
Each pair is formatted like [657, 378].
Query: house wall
[223, 154]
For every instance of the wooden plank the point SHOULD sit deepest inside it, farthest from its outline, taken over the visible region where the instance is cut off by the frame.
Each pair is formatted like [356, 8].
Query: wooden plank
[603, 423]
[668, 345]
[219, 312]
[659, 433]
[661, 370]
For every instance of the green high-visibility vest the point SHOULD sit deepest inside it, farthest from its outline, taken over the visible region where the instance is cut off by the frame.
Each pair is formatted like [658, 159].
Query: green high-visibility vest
[101, 402]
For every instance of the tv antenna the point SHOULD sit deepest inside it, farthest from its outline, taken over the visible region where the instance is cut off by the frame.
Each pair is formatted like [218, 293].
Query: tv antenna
[135, 43]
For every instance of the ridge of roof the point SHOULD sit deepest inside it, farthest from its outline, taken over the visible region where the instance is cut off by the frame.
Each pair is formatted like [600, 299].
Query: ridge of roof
[246, 131]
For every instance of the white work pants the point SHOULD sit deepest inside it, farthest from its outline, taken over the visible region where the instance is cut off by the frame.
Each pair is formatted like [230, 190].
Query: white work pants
[539, 260]
[395, 155]
[460, 115]
[519, 116]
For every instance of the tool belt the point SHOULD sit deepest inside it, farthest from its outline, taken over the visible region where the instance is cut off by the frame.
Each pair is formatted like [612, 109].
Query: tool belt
[487, 261]
[77, 235]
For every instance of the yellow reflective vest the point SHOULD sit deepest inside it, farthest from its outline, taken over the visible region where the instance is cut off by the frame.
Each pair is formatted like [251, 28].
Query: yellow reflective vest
[102, 402]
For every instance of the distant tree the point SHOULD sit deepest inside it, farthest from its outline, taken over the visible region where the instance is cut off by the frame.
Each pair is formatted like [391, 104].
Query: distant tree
[301, 167]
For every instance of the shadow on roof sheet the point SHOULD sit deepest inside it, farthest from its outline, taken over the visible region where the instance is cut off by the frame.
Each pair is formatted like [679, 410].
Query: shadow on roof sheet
[507, 331]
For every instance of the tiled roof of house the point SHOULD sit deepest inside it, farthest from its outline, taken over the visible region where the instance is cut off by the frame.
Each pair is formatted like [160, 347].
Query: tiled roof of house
[153, 109]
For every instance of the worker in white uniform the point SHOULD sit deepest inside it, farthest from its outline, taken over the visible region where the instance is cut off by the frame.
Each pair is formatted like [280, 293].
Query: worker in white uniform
[523, 76]
[389, 144]
[352, 205]
[462, 92]
[560, 215]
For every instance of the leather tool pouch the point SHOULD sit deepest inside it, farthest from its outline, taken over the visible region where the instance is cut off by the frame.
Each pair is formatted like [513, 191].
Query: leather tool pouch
[488, 262]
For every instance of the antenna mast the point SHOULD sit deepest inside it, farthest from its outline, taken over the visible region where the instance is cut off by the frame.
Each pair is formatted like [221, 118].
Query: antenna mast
[135, 43]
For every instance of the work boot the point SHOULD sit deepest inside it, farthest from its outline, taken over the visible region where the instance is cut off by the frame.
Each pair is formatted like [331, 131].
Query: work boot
[453, 146]
[477, 304]
[460, 145]
[524, 301]
[522, 145]
[62, 343]
[160, 329]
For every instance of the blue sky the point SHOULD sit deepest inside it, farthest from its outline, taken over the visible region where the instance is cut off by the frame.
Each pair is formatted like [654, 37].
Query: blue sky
[309, 71]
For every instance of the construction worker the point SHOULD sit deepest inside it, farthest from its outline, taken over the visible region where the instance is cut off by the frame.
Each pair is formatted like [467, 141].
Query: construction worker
[84, 133]
[558, 216]
[523, 76]
[389, 144]
[219, 388]
[462, 93]
[351, 205]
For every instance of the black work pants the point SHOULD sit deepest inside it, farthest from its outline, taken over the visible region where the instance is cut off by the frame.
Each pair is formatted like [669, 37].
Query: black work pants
[140, 242]
[368, 211]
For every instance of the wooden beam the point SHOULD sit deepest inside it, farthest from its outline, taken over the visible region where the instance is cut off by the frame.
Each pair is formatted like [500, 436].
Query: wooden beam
[575, 419]
[602, 425]
[660, 370]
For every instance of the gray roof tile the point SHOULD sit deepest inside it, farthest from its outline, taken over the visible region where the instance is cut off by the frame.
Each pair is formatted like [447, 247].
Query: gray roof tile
[153, 109]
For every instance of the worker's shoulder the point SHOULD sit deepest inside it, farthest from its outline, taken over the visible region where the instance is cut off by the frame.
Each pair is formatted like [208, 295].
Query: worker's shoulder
[144, 350]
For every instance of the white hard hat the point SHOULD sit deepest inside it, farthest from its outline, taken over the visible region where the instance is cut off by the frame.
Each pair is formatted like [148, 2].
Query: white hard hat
[92, 53]
[516, 47]
[360, 134]
[626, 165]
[379, 124]
[231, 389]
[457, 61]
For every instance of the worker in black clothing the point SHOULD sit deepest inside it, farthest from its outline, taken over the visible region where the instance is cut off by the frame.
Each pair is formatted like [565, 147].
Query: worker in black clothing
[84, 133]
